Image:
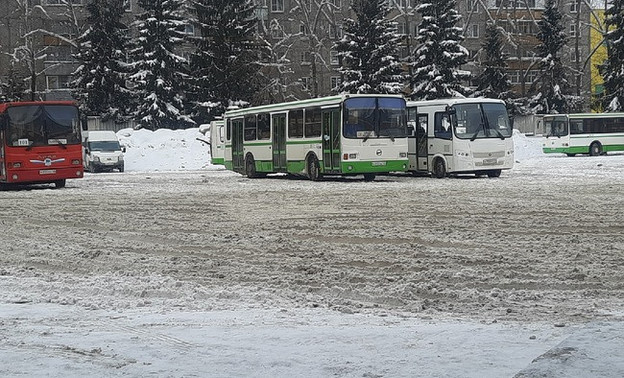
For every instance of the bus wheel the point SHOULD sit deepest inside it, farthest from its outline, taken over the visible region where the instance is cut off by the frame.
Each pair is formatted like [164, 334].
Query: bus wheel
[369, 176]
[494, 173]
[313, 168]
[250, 167]
[439, 168]
[595, 149]
[59, 183]
[571, 155]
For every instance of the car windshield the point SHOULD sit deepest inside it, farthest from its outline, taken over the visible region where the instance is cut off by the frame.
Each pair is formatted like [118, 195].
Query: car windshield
[42, 125]
[105, 145]
[371, 117]
[556, 126]
[484, 120]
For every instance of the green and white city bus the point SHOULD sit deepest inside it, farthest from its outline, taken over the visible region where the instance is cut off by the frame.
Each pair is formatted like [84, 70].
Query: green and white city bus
[583, 133]
[217, 142]
[459, 135]
[339, 135]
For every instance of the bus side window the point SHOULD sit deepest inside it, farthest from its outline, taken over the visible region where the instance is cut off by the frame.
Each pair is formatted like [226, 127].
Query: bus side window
[576, 127]
[312, 122]
[295, 124]
[220, 129]
[442, 126]
[228, 130]
[264, 126]
[250, 127]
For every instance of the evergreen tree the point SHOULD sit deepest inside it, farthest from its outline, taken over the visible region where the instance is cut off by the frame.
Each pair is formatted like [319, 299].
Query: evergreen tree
[612, 70]
[368, 51]
[551, 89]
[225, 64]
[439, 54]
[14, 88]
[158, 72]
[99, 84]
[493, 81]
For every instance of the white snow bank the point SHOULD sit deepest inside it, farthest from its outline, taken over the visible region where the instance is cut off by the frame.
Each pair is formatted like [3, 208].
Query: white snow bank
[164, 150]
[526, 147]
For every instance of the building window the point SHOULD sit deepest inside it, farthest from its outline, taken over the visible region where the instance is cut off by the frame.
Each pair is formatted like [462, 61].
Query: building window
[127, 5]
[336, 3]
[401, 28]
[306, 57]
[574, 6]
[335, 82]
[189, 29]
[333, 58]
[335, 31]
[276, 31]
[572, 30]
[61, 2]
[58, 81]
[514, 77]
[472, 31]
[305, 83]
[277, 5]
[303, 30]
[472, 5]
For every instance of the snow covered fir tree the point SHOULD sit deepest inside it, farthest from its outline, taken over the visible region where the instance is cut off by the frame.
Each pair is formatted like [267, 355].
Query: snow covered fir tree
[100, 80]
[368, 52]
[551, 89]
[438, 57]
[159, 73]
[225, 63]
[613, 68]
[493, 81]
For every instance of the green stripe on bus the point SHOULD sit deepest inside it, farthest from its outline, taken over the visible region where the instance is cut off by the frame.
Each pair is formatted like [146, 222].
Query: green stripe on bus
[303, 141]
[349, 167]
[219, 161]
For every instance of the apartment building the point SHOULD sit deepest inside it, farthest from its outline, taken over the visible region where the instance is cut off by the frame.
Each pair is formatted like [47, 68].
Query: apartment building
[301, 61]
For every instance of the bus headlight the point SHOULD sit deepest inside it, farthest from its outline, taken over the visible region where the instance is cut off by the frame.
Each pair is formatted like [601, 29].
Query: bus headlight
[17, 165]
[96, 159]
[402, 154]
[78, 173]
[75, 162]
[14, 177]
[120, 158]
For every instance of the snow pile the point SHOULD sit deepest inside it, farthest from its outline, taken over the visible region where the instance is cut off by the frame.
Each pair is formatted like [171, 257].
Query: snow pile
[526, 147]
[164, 150]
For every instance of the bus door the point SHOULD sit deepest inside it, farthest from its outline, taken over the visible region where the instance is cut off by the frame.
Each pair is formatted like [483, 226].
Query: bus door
[421, 133]
[238, 160]
[279, 142]
[331, 140]
[441, 140]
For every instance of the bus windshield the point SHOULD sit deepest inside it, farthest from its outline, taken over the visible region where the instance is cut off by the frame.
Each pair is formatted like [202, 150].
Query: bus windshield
[371, 117]
[484, 120]
[43, 125]
[556, 126]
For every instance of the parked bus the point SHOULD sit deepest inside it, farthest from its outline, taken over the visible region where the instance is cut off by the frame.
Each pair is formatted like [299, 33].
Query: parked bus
[217, 142]
[458, 136]
[587, 133]
[339, 135]
[40, 142]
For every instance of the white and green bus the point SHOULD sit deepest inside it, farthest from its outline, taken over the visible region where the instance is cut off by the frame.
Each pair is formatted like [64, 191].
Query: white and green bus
[583, 133]
[459, 136]
[340, 135]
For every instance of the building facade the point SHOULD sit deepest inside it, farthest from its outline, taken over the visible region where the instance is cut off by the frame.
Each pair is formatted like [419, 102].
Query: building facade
[300, 61]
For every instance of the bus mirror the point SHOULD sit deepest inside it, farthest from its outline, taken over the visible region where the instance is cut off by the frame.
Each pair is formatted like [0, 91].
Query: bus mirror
[84, 124]
[451, 110]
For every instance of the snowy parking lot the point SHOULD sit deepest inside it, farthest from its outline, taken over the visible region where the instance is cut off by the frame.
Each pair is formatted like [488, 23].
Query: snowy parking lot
[203, 272]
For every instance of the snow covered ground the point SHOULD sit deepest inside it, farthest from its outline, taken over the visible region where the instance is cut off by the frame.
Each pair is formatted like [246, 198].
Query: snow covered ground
[179, 268]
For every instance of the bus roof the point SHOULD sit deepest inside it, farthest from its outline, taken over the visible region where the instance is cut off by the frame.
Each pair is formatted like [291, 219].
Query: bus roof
[455, 101]
[5, 105]
[321, 101]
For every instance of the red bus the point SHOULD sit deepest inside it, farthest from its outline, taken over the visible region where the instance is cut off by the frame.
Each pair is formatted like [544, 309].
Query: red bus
[40, 142]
